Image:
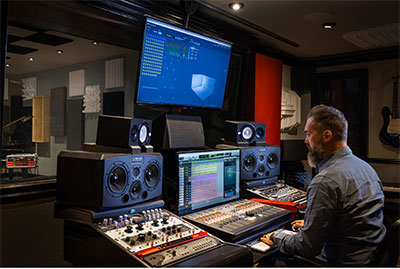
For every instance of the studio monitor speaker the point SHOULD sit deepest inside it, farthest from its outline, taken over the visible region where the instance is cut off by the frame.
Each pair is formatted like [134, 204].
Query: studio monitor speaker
[257, 162]
[260, 162]
[123, 131]
[244, 132]
[100, 181]
[177, 132]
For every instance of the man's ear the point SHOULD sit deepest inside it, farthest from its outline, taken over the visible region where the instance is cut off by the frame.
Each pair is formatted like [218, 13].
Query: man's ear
[327, 135]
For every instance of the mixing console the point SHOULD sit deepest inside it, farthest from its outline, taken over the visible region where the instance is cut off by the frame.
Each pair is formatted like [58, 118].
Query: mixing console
[157, 237]
[279, 192]
[238, 219]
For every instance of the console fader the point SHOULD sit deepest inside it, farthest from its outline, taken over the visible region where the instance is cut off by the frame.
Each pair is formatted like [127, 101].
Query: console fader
[157, 237]
[236, 220]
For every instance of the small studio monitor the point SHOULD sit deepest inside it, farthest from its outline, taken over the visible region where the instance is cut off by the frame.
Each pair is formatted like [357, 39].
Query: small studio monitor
[257, 162]
[244, 132]
[123, 131]
[100, 181]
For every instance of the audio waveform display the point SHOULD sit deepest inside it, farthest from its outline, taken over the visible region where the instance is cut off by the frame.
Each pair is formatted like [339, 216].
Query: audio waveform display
[204, 182]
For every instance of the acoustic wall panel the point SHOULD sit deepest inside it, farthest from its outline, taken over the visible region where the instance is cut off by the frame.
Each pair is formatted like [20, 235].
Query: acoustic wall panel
[6, 89]
[16, 107]
[113, 103]
[58, 111]
[114, 73]
[41, 119]
[75, 124]
[76, 82]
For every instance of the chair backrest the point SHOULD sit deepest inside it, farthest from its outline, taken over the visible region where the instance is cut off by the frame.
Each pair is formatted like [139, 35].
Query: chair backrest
[388, 250]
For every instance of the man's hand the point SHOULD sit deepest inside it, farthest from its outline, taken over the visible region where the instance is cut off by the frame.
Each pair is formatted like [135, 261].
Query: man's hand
[266, 239]
[297, 224]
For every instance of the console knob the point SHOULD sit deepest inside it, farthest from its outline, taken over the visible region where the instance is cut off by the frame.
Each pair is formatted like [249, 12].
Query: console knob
[141, 237]
[155, 222]
[250, 214]
[128, 229]
[165, 220]
[149, 233]
[154, 236]
[132, 242]
[127, 239]
[139, 226]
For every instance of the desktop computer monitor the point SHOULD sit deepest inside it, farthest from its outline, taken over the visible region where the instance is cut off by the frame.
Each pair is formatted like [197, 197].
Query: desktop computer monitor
[207, 178]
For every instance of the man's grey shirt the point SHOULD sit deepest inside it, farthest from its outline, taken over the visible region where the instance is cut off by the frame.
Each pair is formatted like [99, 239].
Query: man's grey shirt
[343, 222]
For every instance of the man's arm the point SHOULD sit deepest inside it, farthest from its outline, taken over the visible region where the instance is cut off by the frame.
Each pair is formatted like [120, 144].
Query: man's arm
[320, 215]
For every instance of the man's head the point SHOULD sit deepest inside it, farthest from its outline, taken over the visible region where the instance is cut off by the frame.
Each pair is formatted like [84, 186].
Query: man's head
[326, 131]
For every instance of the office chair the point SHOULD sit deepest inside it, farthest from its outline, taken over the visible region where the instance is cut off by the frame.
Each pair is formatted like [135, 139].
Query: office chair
[388, 250]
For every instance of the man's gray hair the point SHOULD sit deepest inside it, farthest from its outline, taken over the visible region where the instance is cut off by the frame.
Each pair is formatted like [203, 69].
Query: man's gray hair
[327, 117]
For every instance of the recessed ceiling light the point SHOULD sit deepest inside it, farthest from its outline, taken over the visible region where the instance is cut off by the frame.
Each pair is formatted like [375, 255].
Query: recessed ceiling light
[60, 52]
[95, 42]
[236, 6]
[8, 65]
[31, 59]
[329, 25]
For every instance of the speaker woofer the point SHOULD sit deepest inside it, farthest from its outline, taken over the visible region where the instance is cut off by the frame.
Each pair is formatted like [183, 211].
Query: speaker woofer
[247, 133]
[117, 180]
[249, 163]
[151, 175]
[272, 160]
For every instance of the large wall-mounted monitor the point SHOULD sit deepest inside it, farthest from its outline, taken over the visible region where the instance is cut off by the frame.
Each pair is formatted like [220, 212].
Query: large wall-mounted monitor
[181, 68]
[207, 178]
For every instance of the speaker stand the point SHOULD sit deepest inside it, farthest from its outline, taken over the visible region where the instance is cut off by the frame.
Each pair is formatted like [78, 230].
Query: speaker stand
[140, 149]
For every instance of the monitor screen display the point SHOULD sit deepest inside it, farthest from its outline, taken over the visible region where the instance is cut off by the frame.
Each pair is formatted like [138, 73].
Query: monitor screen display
[179, 67]
[207, 178]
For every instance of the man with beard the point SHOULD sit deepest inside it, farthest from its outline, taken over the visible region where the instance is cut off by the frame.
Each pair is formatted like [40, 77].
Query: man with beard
[343, 222]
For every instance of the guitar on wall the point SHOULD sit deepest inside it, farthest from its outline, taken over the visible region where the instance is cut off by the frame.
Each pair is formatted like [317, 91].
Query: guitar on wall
[390, 132]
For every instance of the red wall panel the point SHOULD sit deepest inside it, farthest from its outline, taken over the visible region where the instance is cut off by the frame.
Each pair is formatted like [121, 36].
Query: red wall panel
[267, 97]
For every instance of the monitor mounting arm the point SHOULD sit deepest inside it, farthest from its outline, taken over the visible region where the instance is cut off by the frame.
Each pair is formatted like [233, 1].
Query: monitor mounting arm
[190, 8]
